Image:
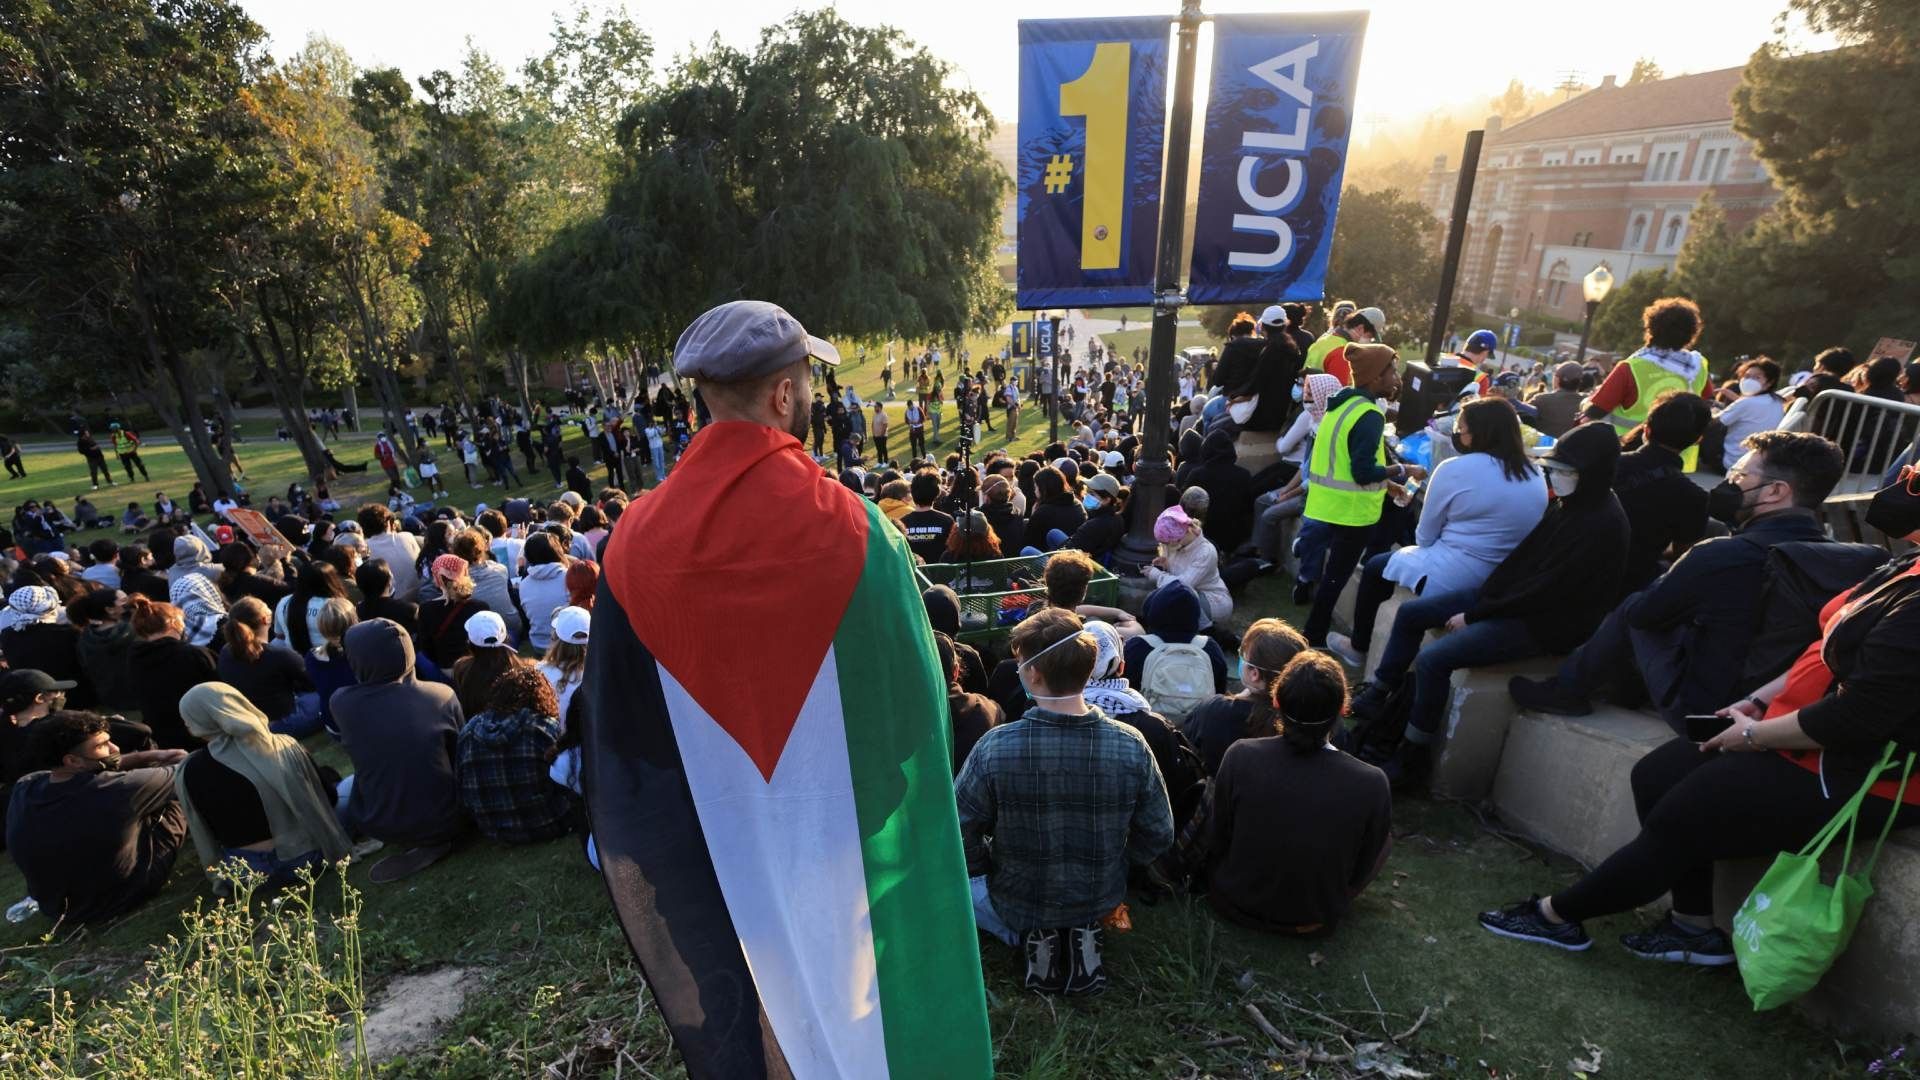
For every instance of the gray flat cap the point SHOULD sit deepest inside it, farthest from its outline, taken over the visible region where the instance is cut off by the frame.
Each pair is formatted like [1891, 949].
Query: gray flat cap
[745, 339]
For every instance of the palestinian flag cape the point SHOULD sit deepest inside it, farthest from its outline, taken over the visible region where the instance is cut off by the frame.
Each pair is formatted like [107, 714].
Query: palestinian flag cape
[768, 770]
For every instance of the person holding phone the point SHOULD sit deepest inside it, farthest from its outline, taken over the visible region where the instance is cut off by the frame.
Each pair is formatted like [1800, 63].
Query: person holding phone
[1792, 755]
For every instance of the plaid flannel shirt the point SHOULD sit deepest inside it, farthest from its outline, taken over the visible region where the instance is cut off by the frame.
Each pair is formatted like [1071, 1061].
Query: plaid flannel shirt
[505, 786]
[1068, 802]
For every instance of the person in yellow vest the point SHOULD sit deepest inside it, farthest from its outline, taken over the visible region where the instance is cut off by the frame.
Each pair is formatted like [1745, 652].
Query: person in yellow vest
[127, 444]
[1349, 479]
[1666, 362]
[1335, 336]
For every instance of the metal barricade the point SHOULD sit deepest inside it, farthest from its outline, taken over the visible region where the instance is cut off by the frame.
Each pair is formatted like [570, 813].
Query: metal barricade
[1874, 433]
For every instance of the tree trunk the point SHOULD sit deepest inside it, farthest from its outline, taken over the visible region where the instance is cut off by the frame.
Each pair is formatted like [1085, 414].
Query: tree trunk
[385, 383]
[517, 363]
[187, 425]
[290, 397]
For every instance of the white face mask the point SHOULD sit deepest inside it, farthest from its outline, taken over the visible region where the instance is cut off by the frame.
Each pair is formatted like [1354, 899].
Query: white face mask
[1563, 482]
[1751, 386]
[1241, 411]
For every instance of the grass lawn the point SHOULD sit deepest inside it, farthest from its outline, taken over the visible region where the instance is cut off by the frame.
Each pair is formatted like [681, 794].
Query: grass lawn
[559, 989]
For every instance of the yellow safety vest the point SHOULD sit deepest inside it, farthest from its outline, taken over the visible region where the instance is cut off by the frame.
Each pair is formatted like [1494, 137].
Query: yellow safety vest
[1650, 380]
[1317, 352]
[1333, 496]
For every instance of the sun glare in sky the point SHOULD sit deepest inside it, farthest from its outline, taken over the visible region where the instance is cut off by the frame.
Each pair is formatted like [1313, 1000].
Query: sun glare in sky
[1419, 55]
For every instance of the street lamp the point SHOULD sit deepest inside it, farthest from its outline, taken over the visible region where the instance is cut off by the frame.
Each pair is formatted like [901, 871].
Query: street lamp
[1597, 284]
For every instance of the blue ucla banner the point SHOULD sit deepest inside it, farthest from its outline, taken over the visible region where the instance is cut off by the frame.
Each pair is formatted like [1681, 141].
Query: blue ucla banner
[1092, 128]
[1275, 148]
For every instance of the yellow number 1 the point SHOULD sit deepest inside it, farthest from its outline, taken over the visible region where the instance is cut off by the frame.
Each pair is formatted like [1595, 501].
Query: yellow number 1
[1100, 95]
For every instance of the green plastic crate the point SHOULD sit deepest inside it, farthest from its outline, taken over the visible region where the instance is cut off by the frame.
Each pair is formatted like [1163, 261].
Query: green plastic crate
[986, 589]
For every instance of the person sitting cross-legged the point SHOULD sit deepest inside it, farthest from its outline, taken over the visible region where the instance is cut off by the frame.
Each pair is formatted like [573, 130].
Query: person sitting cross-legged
[96, 834]
[1054, 808]
[251, 794]
[1295, 829]
[502, 762]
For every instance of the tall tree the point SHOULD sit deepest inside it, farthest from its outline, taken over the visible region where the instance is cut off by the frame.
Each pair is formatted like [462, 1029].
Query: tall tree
[835, 169]
[122, 131]
[1383, 257]
[1834, 260]
[316, 166]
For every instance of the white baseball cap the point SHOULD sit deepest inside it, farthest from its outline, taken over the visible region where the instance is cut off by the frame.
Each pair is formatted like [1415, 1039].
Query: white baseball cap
[1275, 315]
[573, 624]
[488, 631]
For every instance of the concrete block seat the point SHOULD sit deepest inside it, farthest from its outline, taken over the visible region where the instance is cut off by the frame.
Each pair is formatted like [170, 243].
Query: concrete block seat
[1564, 782]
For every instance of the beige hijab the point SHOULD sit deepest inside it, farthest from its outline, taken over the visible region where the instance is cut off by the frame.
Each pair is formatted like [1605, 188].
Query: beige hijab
[289, 785]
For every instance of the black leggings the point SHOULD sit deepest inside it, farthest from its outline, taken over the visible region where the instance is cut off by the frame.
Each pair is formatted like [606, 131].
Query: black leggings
[1696, 808]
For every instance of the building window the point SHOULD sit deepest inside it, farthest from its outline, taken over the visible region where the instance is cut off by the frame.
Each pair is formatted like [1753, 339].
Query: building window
[1639, 234]
[1558, 157]
[1587, 157]
[1674, 225]
[1557, 279]
[1625, 157]
[1713, 165]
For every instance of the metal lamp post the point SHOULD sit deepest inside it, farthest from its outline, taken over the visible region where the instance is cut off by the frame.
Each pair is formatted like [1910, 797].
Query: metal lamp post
[1597, 284]
[1153, 472]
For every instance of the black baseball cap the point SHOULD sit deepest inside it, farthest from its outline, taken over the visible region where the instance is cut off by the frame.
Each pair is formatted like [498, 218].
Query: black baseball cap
[22, 685]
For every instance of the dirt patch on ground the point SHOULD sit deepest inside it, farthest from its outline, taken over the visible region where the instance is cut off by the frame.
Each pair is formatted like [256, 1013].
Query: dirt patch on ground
[414, 1007]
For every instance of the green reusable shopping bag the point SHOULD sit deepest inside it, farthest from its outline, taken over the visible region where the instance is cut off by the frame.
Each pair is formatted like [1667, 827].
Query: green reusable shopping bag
[1793, 926]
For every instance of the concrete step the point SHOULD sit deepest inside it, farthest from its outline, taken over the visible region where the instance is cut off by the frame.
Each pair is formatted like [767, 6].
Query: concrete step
[1564, 780]
[1475, 730]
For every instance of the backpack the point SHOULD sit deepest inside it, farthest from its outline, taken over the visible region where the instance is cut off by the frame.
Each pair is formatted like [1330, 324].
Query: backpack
[1177, 677]
[1800, 577]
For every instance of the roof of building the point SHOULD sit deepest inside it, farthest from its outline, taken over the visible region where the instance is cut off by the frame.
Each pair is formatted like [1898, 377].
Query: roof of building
[1686, 99]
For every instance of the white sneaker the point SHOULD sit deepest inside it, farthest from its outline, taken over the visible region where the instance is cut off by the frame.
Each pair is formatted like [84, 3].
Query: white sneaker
[1341, 646]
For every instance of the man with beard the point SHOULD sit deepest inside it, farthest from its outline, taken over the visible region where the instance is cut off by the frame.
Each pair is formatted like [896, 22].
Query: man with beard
[97, 833]
[772, 804]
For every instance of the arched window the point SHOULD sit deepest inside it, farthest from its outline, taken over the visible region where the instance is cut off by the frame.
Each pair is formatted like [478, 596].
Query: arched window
[1673, 231]
[1639, 234]
[1557, 279]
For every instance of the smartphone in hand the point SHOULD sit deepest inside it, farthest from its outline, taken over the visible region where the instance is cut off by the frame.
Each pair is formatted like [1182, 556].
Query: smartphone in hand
[1700, 728]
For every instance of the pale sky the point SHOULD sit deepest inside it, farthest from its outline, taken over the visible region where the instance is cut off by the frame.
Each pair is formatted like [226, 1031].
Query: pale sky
[1418, 54]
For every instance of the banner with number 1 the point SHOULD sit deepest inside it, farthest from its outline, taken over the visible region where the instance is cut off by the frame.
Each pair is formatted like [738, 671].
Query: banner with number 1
[1092, 114]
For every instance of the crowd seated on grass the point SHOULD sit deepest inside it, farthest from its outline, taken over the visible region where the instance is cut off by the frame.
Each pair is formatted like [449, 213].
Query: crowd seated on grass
[1095, 751]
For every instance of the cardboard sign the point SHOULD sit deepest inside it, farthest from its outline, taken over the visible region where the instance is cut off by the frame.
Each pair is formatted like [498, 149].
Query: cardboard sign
[273, 547]
[1894, 347]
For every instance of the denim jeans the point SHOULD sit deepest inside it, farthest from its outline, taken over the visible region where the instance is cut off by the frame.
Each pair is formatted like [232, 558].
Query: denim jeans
[303, 721]
[1491, 641]
[276, 870]
[985, 917]
[1271, 515]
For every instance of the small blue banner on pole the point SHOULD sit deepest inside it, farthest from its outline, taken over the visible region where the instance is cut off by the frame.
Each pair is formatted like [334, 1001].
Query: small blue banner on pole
[1043, 338]
[1022, 344]
[1278, 117]
[1092, 128]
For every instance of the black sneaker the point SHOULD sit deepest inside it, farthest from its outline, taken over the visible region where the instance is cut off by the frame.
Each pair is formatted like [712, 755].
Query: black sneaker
[1302, 592]
[1678, 944]
[1546, 696]
[1523, 922]
[1370, 702]
[1085, 975]
[1046, 964]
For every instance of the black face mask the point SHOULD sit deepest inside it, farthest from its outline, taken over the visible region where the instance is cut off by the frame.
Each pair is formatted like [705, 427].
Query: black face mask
[1459, 446]
[1724, 501]
[1895, 509]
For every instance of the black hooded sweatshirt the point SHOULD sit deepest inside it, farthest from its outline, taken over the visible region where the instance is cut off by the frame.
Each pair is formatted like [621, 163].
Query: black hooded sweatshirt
[1229, 489]
[1565, 576]
[400, 733]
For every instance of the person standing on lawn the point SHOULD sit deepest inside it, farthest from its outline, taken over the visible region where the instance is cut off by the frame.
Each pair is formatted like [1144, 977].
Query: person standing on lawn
[89, 448]
[126, 444]
[781, 849]
[10, 454]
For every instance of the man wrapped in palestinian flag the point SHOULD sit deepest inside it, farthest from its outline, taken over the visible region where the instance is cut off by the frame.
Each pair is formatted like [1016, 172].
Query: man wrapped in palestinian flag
[767, 760]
